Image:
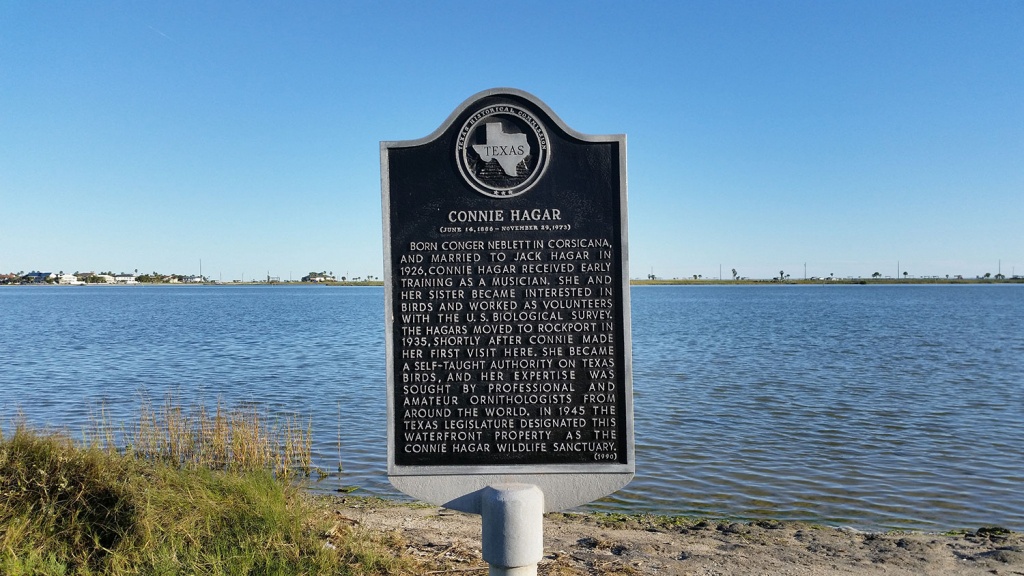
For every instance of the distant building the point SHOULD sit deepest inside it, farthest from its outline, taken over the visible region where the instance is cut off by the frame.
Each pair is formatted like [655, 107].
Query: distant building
[39, 277]
[123, 278]
[193, 279]
[69, 280]
[318, 278]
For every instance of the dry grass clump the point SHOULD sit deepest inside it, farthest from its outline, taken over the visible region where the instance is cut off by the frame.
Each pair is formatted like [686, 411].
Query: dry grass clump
[239, 439]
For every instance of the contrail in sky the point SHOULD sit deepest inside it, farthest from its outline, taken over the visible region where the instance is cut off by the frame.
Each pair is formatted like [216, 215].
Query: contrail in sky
[160, 33]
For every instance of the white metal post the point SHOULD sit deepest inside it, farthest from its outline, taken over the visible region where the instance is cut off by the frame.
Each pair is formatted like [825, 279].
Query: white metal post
[513, 528]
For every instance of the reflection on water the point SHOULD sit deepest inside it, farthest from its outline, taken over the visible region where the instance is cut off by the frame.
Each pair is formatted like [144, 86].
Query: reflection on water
[870, 406]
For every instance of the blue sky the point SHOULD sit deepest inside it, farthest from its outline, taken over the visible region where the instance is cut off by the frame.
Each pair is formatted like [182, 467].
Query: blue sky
[848, 136]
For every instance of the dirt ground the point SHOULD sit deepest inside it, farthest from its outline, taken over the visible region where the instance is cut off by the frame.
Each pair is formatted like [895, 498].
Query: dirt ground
[635, 545]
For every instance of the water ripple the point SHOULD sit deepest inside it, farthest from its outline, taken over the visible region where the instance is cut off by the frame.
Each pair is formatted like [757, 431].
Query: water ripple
[869, 406]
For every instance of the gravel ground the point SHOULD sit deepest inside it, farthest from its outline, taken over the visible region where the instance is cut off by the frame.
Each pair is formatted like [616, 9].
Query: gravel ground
[634, 545]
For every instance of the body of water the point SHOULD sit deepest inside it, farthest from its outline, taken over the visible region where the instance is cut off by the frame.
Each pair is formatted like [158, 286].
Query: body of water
[869, 406]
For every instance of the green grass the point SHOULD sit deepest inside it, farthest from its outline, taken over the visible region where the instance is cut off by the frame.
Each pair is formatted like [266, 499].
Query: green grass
[73, 508]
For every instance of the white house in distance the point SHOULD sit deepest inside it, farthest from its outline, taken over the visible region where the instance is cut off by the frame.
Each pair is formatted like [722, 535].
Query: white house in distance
[69, 280]
[318, 278]
[123, 278]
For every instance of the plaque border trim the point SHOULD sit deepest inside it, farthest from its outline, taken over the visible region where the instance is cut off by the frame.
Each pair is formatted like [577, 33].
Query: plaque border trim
[617, 473]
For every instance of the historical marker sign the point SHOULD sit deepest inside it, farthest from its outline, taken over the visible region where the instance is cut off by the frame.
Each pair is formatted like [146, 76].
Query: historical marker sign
[507, 306]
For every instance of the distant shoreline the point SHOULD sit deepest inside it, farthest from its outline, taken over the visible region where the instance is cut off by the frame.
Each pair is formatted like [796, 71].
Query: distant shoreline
[825, 282]
[195, 284]
[635, 282]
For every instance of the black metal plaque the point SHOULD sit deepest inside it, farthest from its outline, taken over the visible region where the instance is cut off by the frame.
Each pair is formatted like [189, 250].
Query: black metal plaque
[507, 293]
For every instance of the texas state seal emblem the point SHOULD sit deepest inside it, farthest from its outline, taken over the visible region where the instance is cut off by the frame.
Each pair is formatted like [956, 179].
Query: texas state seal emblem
[502, 150]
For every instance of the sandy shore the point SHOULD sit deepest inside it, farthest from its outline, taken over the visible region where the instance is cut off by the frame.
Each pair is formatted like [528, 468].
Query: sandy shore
[603, 544]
